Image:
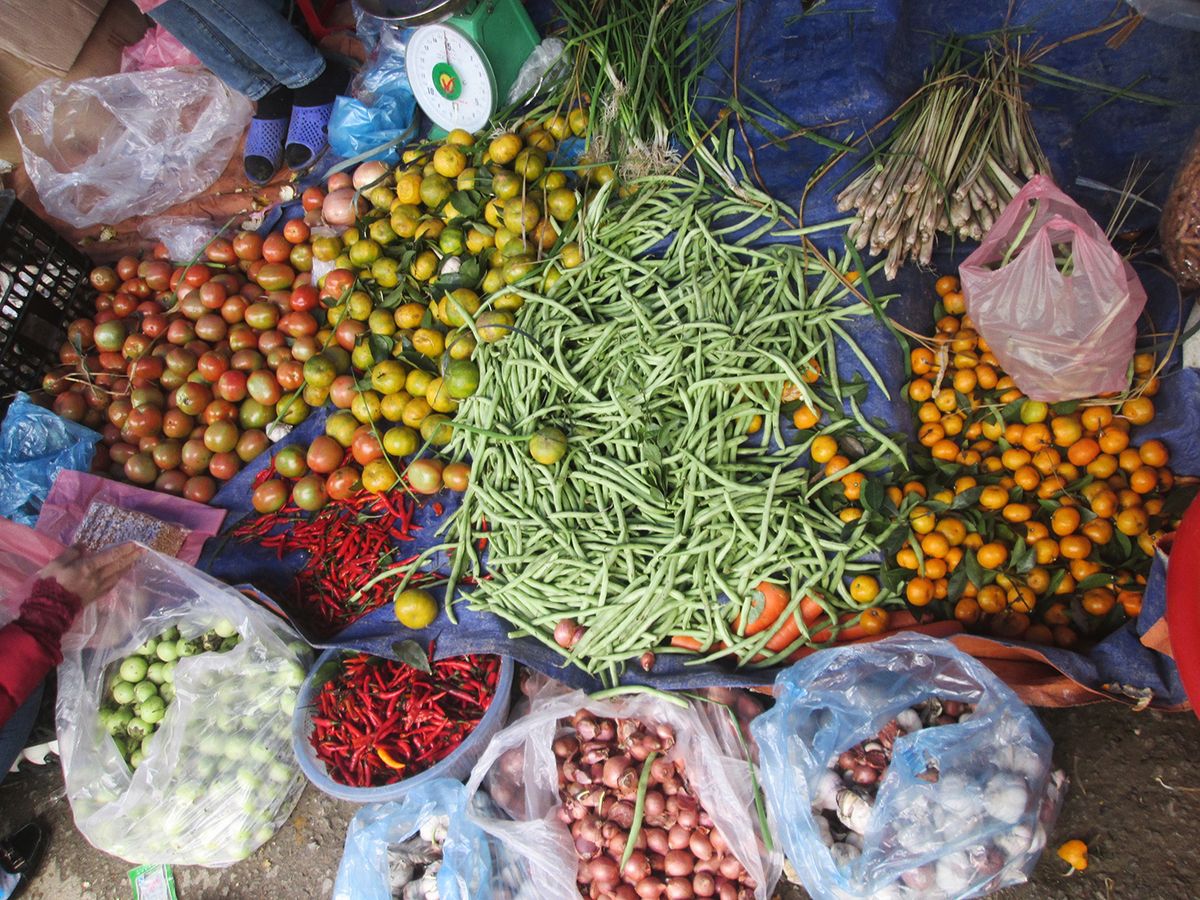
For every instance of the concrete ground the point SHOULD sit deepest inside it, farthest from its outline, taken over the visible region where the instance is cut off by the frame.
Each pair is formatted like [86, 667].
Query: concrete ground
[1134, 797]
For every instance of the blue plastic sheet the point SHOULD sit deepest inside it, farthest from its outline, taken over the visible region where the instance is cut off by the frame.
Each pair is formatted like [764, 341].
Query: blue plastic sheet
[382, 104]
[843, 65]
[466, 870]
[35, 445]
[994, 794]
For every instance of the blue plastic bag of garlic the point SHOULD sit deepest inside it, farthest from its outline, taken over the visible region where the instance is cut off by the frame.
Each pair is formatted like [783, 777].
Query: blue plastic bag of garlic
[904, 768]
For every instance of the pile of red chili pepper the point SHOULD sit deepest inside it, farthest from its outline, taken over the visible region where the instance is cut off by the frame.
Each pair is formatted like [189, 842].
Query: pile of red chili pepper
[348, 542]
[377, 722]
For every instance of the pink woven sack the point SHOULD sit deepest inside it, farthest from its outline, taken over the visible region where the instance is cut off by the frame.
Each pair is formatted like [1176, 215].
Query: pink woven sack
[1058, 305]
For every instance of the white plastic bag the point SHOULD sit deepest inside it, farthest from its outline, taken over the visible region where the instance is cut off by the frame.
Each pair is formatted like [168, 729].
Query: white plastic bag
[218, 775]
[522, 778]
[103, 149]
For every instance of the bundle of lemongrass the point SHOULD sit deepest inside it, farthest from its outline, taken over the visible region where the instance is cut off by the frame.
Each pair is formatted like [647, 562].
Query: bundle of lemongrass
[962, 147]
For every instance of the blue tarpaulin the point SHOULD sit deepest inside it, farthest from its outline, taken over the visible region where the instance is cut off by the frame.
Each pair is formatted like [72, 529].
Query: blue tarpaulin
[840, 66]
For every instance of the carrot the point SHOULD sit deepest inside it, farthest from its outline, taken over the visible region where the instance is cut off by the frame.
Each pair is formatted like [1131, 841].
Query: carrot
[685, 642]
[775, 600]
[810, 610]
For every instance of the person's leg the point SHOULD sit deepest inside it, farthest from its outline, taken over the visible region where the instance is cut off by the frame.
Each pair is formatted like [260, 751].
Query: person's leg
[260, 33]
[227, 59]
[15, 732]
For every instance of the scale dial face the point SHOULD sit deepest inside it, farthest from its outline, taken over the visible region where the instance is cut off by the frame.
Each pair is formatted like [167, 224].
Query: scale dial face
[450, 77]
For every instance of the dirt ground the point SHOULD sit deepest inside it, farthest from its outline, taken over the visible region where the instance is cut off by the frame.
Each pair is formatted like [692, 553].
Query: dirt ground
[1134, 798]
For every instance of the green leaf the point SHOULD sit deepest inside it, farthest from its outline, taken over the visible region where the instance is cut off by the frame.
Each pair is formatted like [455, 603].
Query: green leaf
[1123, 543]
[1064, 407]
[873, 495]
[1179, 500]
[967, 498]
[1023, 557]
[975, 572]
[1100, 579]
[957, 583]
[465, 204]
[381, 347]
[411, 653]
[1055, 580]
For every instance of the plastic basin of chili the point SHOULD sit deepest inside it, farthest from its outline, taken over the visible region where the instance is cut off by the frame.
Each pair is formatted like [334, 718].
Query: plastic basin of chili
[457, 764]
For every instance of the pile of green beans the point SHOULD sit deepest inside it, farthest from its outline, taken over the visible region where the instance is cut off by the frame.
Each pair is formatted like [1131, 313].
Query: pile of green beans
[655, 356]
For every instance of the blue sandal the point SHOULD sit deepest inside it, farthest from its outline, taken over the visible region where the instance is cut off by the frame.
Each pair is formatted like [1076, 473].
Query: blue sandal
[307, 134]
[263, 153]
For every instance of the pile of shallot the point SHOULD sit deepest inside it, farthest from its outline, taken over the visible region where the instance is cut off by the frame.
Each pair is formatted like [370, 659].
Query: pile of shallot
[618, 786]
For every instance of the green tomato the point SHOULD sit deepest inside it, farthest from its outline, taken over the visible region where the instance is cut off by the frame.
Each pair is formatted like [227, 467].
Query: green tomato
[167, 692]
[153, 710]
[119, 720]
[188, 792]
[105, 716]
[229, 643]
[248, 779]
[122, 745]
[211, 744]
[155, 673]
[145, 748]
[168, 673]
[136, 758]
[279, 773]
[138, 728]
[144, 690]
[184, 647]
[235, 747]
[287, 704]
[205, 768]
[123, 692]
[225, 628]
[292, 675]
[264, 834]
[170, 634]
[298, 649]
[227, 723]
[167, 651]
[261, 753]
[133, 669]
[148, 648]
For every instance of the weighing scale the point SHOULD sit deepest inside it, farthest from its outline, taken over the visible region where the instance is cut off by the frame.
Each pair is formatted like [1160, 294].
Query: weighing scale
[463, 55]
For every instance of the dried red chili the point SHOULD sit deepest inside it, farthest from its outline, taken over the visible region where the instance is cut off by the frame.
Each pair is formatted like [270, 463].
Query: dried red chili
[377, 721]
[347, 543]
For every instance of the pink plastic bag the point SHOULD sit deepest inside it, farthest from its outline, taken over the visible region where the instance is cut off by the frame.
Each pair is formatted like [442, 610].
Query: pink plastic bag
[1059, 336]
[23, 552]
[74, 492]
[158, 49]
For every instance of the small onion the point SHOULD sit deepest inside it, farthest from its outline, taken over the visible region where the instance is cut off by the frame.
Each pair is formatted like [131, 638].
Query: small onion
[662, 769]
[704, 884]
[606, 731]
[605, 870]
[726, 889]
[637, 867]
[625, 892]
[679, 863]
[680, 889]
[718, 842]
[654, 804]
[700, 846]
[622, 814]
[650, 888]
[564, 635]
[656, 839]
[864, 775]
[565, 746]
[678, 838]
[845, 760]
[731, 868]
[614, 766]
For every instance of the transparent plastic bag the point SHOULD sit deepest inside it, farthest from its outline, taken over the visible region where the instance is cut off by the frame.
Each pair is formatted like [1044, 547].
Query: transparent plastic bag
[522, 779]
[1060, 336]
[963, 809]
[100, 150]
[35, 445]
[183, 236]
[381, 104]
[218, 777]
[1175, 13]
[465, 872]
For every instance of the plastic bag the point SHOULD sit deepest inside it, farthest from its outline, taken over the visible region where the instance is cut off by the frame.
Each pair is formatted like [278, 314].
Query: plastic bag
[104, 149]
[522, 778]
[465, 872]
[1059, 336]
[218, 776]
[1175, 13]
[157, 49]
[183, 237]
[35, 445]
[23, 552]
[74, 493]
[381, 104]
[976, 822]
[545, 65]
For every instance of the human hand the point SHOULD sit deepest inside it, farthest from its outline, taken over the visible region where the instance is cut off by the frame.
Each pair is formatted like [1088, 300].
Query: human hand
[91, 575]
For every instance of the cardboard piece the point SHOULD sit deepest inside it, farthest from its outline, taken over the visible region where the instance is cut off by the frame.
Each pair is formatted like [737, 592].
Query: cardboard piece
[120, 24]
[26, 35]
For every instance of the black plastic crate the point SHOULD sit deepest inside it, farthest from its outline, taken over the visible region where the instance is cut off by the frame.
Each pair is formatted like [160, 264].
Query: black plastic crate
[43, 287]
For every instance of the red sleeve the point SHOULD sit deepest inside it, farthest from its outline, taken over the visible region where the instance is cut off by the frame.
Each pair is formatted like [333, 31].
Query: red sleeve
[29, 645]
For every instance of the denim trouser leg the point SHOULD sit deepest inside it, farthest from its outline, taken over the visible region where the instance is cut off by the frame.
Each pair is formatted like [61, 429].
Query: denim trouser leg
[246, 43]
[15, 732]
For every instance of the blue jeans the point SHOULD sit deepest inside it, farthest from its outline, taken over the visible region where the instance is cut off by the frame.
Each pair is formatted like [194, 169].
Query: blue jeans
[15, 732]
[246, 43]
